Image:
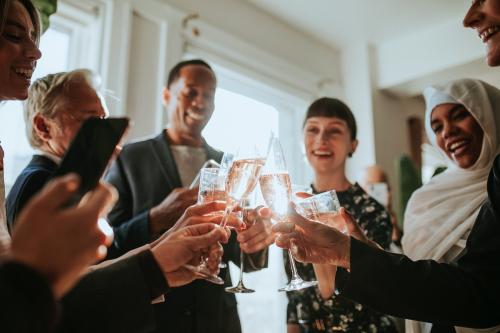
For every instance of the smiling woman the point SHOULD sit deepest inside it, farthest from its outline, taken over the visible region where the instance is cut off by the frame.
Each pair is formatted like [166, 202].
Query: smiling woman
[462, 123]
[458, 134]
[330, 139]
[18, 50]
[484, 16]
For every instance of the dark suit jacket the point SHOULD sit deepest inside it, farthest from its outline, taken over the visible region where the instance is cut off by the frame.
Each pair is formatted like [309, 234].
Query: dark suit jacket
[31, 180]
[27, 304]
[144, 174]
[36, 174]
[465, 294]
[112, 299]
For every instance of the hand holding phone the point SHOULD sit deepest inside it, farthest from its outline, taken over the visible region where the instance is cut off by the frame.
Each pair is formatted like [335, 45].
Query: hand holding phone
[91, 151]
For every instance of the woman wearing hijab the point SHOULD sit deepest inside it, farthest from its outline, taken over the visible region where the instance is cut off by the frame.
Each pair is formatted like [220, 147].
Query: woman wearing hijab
[461, 123]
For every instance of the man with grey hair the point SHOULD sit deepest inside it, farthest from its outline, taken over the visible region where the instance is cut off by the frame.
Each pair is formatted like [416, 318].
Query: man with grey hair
[57, 106]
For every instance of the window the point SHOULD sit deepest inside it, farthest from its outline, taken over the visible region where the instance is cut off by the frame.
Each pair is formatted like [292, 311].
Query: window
[54, 45]
[238, 118]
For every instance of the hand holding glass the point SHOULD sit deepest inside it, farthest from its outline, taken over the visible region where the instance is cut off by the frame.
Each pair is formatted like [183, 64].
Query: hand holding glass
[276, 189]
[323, 208]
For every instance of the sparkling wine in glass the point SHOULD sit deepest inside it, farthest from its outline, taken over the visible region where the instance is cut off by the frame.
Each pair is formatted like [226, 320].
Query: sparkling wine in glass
[277, 191]
[242, 178]
[211, 189]
[243, 170]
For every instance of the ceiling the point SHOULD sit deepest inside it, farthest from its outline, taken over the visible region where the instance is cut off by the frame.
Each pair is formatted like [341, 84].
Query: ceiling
[339, 22]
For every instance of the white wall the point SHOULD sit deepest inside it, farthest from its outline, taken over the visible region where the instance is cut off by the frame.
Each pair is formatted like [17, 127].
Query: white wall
[357, 77]
[265, 32]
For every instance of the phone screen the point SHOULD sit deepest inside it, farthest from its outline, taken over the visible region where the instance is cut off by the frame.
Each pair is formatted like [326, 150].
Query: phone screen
[91, 151]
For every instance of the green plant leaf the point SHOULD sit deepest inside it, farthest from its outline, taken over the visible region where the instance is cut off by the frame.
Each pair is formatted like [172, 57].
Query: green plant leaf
[46, 8]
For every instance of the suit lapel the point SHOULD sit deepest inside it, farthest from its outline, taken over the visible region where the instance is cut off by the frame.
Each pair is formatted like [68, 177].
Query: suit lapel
[212, 153]
[166, 161]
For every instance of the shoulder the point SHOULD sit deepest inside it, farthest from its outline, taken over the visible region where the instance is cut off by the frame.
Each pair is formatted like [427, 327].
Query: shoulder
[33, 177]
[31, 180]
[214, 153]
[363, 204]
[138, 146]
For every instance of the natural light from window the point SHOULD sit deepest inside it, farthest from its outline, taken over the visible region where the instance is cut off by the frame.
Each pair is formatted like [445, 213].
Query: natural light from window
[241, 120]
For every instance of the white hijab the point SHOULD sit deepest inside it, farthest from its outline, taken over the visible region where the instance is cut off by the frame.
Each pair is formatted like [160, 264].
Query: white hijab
[440, 215]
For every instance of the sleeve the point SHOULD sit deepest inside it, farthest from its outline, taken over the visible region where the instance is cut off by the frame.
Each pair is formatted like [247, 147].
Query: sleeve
[26, 300]
[130, 231]
[419, 290]
[116, 298]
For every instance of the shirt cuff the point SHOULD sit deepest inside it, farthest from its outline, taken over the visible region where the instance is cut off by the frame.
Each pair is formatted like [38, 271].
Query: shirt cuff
[153, 274]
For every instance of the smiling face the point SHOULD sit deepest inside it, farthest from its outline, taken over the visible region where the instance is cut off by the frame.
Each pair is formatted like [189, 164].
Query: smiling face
[79, 103]
[190, 99]
[458, 134]
[484, 17]
[327, 142]
[18, 53]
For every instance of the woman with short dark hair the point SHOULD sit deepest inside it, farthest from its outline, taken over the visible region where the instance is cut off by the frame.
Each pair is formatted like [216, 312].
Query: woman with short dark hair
[330, 139]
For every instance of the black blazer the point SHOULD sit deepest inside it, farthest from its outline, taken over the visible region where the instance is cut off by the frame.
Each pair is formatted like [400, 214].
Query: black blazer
[464, 294]
[144, 174]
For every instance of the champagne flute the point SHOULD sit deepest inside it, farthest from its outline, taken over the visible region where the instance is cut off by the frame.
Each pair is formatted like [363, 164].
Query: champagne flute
[240, 287]
[211, 189]
[243, 171]
[276, 189]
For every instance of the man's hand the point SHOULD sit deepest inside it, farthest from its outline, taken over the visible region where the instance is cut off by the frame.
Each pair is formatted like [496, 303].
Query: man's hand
[61, 242]
[163, 216]
[186, 246]
[199, 214]
[312, 241]
[259, 234]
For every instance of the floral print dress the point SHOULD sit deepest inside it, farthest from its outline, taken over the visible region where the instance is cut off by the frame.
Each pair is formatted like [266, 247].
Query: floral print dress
[310, 311]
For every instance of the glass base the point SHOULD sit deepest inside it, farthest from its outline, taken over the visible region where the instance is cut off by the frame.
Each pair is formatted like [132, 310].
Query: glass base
[239, 289]
[298, 284]
[202, 272]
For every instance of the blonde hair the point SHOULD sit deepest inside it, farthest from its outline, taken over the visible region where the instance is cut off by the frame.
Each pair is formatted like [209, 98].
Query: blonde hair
[45, 94]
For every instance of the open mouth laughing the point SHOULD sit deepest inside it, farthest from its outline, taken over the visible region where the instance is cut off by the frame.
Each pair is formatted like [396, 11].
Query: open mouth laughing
[487, 33]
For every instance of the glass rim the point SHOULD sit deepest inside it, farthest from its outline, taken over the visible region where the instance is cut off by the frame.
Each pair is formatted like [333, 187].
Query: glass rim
[210, 169]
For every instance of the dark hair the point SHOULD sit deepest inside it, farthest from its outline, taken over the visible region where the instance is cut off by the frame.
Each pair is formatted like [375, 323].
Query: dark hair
[30, 8]
[175, 72]
[332, 108]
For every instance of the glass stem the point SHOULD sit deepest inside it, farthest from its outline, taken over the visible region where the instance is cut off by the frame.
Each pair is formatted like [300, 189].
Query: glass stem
[295, 275]
[242, 265]
[227, 212]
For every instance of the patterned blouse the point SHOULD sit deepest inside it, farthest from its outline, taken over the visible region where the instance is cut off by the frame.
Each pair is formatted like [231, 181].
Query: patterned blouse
[310, 311]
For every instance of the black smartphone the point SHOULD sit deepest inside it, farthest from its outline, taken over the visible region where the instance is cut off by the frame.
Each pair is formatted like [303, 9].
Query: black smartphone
[91, 151]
